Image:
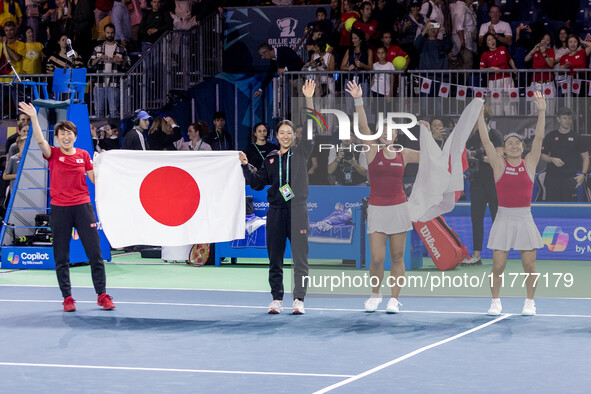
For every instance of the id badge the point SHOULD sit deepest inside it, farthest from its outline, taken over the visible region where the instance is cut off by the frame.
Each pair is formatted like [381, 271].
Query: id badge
[348, 177]
[286, 192]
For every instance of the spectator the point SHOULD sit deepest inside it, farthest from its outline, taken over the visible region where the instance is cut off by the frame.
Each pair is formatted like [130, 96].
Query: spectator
[335, 15]
[498, 58]
[12, 165]
[346, 165]
[345, 40]
[439, 131]
[433, 51]
[14, 49]
[576, 58]
[58, 19]
[384, 14]
[500, 30]
[464, 34]
[134, 139]
[260, 146]
[323, 22]
[282, 59]
[432, 11]
[358, 56]
[108, 58]
[561, 47]
[366, 24]
[412, 26]
[566, 154]
[182, 19]
[108, 137]
[22, 132]
[33, 53]
[482, 185]
[11, 12]
[382, 84]
[220, 139]
[121, 19]
[542, 57]
[197, 132]
[22, 120]
[102, 9]
[82, 23]
[60, 59]
[154, 24]
[315, 33]
[163, 134]
[393, 51]
[322, 61]
[32, 14]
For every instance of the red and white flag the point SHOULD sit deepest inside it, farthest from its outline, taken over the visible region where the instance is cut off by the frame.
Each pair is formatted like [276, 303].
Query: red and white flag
[529, 93]
[565, 86]
[461, 93]
[576, 86]
[513, 95]
[548, 89]
[479, 92]
[589, 88]
[444, 89]
[496, 95]
[426, 85]
[170, 198]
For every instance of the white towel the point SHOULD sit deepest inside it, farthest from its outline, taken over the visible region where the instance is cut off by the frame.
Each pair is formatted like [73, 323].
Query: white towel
[433, 192]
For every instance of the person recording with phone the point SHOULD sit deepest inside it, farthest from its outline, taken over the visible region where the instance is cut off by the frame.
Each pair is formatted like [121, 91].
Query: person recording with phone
[66, 57]
[542, 57]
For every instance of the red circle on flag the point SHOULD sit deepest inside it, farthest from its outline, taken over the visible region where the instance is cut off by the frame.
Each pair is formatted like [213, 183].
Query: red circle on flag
[478, 94]
[530, 93]
[444, 90]
[575, 86]
[547, 92]
[425, 85]
[513, 94]
[496, 95]
[170, 195]
[564, 86]
[461, 92]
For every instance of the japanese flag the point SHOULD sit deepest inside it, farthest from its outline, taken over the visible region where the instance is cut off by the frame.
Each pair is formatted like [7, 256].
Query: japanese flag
[576, 86]
[169, 198]
[496, 95]
[548, 89]
[426, 85]
[461, 93]
[529, 93]
[513, 94]
[479, 92]
[565, 86]
[444, 90]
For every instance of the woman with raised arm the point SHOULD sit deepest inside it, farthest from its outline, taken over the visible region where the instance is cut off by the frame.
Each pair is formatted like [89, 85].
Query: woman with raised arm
[285, 170]
[70, 206]
[514, 227]
[387, 215]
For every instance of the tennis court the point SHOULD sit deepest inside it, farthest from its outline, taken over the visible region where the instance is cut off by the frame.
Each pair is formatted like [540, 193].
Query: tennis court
[178, 328]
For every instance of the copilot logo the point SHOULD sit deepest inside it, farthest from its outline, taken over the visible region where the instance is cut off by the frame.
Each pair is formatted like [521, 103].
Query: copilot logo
[555, 239]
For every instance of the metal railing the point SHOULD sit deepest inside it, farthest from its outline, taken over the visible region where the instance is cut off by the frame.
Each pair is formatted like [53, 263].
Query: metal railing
[406, 87]
[176, 61]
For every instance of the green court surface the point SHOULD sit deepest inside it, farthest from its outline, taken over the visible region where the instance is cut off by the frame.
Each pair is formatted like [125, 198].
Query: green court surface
[559, 279]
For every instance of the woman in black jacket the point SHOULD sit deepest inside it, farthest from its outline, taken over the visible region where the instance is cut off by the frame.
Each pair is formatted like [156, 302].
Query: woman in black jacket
[163, 134]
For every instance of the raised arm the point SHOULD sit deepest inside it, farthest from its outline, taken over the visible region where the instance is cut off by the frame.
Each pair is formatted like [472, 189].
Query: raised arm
[30, 110]
[495, 161]
[357, 93]
[532, 158]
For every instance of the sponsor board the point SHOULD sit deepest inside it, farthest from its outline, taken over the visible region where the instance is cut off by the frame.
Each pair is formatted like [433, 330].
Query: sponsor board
[27, 258]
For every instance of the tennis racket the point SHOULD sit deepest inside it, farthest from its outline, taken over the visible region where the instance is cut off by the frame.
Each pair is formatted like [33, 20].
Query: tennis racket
[199, 254]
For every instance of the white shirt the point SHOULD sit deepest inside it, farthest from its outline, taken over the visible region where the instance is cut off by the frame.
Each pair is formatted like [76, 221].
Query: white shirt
[463, 19]
[500, 28]
[382, 81]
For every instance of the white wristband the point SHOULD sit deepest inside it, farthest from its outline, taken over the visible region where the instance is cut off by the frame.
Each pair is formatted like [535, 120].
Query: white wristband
[359, 102]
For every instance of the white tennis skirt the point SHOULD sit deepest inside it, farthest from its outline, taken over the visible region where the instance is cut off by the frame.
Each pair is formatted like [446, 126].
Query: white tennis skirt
[514, 228]
[389, 219]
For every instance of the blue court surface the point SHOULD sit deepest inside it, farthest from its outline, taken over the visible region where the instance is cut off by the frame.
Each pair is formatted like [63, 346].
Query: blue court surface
[203, 341]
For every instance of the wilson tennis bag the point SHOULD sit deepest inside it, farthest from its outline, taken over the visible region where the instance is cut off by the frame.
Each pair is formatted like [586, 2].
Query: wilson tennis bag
[443, 244]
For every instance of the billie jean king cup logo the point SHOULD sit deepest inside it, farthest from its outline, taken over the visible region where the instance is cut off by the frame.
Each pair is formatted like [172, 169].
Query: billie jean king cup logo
[287, 26]
[345, 126]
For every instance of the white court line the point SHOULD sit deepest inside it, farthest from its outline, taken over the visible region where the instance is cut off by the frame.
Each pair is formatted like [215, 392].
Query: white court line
[408, 355]
[324, 375]
[142, 288]
[264, 307]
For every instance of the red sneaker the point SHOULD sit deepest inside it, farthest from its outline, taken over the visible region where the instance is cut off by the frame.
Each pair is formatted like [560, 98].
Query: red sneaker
[69, 304]
[104, 300]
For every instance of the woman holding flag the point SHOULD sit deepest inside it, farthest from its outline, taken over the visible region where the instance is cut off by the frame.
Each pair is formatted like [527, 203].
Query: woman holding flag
[285, 170]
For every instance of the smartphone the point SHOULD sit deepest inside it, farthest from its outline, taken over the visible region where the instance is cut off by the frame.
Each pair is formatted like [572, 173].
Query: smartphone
[435, 25]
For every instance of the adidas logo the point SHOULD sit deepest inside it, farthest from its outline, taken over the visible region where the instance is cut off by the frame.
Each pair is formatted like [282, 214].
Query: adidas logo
[380, 163]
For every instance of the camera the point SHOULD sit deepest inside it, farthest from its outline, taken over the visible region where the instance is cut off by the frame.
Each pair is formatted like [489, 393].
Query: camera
[348, 155]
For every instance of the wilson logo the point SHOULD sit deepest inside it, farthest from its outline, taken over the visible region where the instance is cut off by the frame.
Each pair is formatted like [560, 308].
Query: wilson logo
[430, 241]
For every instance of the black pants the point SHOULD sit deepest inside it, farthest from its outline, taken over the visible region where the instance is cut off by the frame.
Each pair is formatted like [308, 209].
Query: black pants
[561, 189]
[282, 224]
[83, 219]
[482, 193]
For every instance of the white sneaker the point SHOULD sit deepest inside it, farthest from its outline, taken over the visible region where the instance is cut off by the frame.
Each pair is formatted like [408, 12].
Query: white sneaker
[495, 307]
[275, 307]
[471, 261]
[529, 308]
[372, 303]
[393, 306]
[298, 307]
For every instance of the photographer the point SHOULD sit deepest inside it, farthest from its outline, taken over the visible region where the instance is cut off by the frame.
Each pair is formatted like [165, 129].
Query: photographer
[482, 185]
[346, 165]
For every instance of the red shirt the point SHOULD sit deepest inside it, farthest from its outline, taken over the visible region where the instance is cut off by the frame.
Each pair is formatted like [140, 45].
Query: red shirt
[68, 177]
[539, 63]
[393, 52]
[514, 187]
[369, 28]
[386, 180]
[345, 35]
[578, 60]
[498, 58]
